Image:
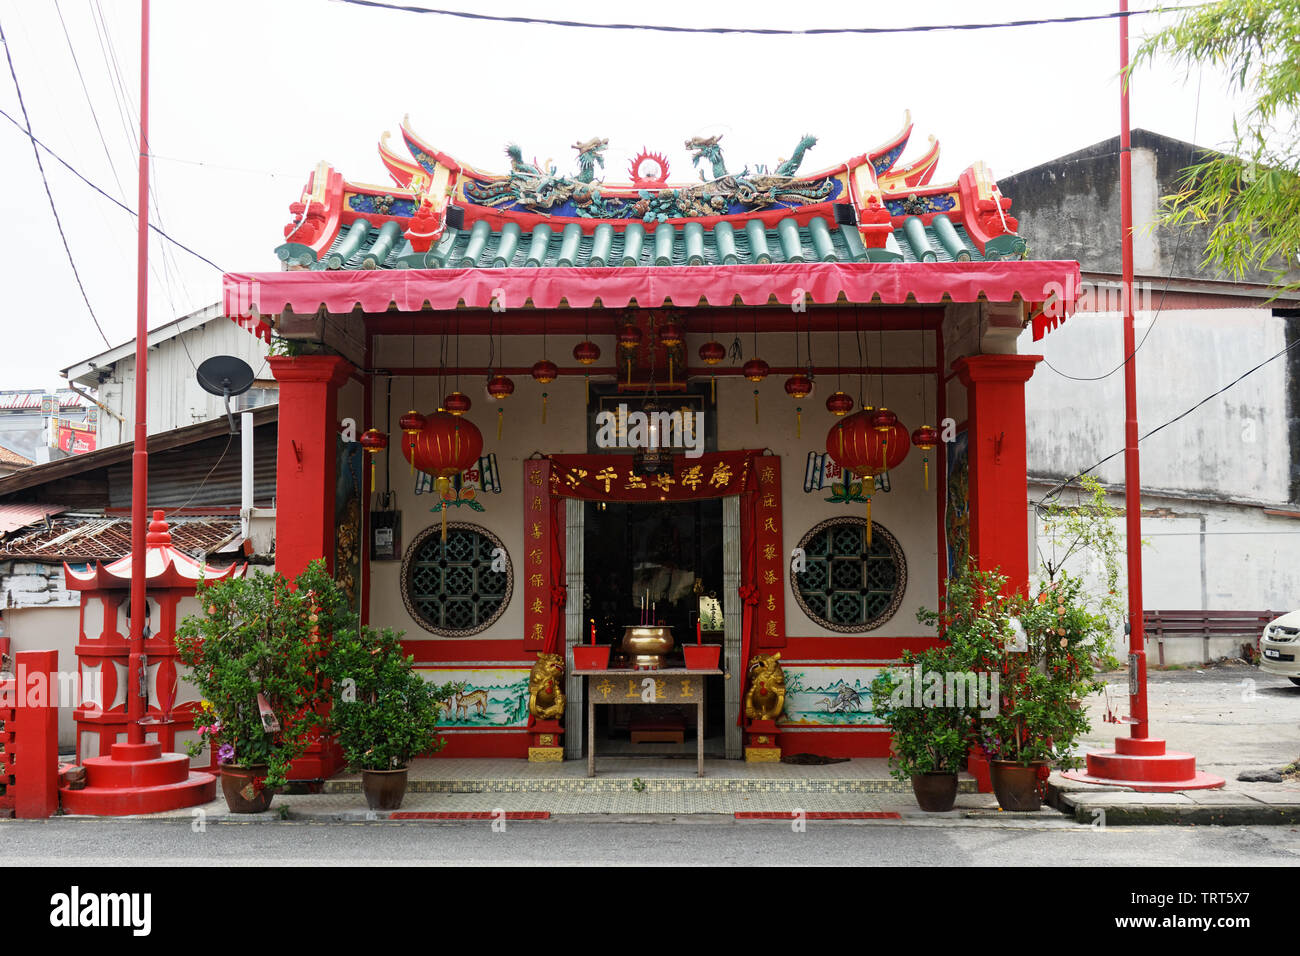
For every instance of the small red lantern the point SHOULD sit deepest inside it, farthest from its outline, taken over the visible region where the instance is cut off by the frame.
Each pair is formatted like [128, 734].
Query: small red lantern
[444, 447]
[500, 387]
[586, 352]
[629, 340]
[373, 441]
[457, 403]
[670, 334]
[755, 370]
[883, 419]
[411, 424]
[862, 449]
[839, 404]
[711, 353]
[798, 385]
[925, 438]
[545, 371]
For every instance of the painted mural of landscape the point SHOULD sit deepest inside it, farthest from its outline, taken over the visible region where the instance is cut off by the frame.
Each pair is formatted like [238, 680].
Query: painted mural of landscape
[828, 695]
[485, 696]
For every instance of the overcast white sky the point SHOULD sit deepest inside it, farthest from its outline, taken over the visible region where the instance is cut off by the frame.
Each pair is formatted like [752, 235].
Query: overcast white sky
[247, 96]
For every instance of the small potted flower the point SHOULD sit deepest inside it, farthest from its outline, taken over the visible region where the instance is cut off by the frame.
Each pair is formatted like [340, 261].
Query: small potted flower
[254, 651]
[383, 713]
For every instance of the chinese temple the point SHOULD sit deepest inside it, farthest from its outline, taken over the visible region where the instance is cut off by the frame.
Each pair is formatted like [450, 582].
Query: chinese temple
[527, 411]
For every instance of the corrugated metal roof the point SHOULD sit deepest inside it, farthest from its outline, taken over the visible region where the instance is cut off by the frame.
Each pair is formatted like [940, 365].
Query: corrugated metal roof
[32, 399]
[106, 539]
[13, 517]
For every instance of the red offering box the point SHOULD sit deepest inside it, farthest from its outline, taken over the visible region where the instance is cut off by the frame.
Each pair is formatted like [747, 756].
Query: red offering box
[701, 657]
[590, 657]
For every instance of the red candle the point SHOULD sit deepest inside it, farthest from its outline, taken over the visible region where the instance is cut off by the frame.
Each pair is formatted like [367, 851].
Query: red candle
[593, 632]
[699, 637]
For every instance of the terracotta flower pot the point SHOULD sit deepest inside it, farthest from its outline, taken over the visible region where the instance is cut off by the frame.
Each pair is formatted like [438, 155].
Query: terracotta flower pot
[242, 795]
[384, 789]
[935, 792]
[1017, 787]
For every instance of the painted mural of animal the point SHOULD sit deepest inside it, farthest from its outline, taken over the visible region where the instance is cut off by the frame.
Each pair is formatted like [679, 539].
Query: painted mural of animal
[765, 699]
[474, 699]
[545, 698]
[847, 699]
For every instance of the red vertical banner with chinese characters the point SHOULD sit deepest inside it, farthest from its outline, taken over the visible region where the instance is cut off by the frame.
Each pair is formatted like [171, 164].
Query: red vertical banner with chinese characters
[770, 558]
[537, 554]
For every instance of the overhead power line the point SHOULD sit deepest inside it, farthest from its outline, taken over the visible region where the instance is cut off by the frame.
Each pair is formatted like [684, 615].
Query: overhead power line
[72, 169]
[759, 31]
[1069, 481]
[27, 128]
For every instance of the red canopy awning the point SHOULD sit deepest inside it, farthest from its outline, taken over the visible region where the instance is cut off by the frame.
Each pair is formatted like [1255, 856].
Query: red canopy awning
[250, 296]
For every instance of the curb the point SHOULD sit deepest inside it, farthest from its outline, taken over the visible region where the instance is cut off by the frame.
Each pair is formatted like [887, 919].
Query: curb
[1246, 813]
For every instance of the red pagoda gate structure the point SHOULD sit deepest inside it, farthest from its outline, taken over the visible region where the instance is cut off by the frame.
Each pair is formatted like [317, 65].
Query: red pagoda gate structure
[770, 303]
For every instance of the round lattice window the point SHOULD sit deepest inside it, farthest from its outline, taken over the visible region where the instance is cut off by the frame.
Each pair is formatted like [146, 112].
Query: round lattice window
[451, 589]
[845, 586]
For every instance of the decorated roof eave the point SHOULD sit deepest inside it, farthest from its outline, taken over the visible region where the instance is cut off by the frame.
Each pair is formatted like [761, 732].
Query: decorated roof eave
[251, 298]
[165, 566]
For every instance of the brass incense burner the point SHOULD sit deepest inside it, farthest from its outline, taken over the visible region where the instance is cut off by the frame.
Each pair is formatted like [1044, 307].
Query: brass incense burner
[647, 645]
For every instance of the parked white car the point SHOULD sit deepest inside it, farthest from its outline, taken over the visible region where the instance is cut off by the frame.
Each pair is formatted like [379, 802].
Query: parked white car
[1278, 646]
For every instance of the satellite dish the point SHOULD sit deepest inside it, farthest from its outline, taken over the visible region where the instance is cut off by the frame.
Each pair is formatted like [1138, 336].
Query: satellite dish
[225, 375]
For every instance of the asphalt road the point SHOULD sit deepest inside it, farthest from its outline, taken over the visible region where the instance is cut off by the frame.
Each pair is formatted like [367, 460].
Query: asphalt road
[109, 843]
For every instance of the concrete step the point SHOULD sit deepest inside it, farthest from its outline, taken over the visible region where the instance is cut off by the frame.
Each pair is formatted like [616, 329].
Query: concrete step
[195, 789]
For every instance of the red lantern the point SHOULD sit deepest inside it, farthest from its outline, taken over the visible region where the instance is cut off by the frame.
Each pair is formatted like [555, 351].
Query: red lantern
[444, 447]
[798, 385]
[883, 419]
[711, 353]
[629, 340]
[545, 371]
[500, 387]
[586, 352]
[866, 451]
[411, 424]
[925, 438]
[457, 403]
[839, 404]
[373, 441]
[670, 334]
[755, 370]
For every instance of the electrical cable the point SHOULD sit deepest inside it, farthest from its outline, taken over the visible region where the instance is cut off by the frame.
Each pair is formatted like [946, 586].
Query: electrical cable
[45, 180]
[220, 458]
[72, 169]
[1053, 491]
[761, 31]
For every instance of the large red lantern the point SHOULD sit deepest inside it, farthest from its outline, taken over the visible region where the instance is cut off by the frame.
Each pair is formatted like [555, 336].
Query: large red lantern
[863, 449]
[444, 447]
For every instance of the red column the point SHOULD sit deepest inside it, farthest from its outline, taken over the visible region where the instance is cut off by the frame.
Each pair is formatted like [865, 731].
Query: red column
[305, 458]
[999, 487]
[36, 735]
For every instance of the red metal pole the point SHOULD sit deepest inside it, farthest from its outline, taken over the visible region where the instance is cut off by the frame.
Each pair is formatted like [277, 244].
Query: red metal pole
[1132, 483]
[135, 706]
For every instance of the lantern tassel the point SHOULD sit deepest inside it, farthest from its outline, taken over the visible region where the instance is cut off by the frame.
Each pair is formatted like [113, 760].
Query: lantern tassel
[798, 423]
[869, 486]
[412, 454]
[713, 388]
[670, 368]
[755, 406]
[925, 465]
[501, 415]
[543, 408]
[443, 484]
[868, 522]
[629, 369]
[372, 472]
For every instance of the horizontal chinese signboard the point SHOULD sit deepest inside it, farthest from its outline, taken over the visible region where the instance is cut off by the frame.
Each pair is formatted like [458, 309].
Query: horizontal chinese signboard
[613, 478]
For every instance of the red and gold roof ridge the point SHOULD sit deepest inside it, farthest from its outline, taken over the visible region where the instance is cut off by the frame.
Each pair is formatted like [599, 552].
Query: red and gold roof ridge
[434, 191]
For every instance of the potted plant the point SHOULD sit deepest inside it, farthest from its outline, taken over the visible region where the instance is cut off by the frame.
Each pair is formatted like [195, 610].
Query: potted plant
[384, 713]
[253, 651]
[929, 739]
[1044, 681]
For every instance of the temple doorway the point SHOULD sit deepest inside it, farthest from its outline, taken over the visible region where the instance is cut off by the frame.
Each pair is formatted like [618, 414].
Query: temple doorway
[661, 563]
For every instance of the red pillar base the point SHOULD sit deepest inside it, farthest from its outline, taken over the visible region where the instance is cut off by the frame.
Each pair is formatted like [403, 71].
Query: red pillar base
[1142, 763]
[138, 778]
[761, 742]
[545, 742]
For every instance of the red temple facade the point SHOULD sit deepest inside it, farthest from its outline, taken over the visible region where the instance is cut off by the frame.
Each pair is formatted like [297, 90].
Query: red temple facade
[753, 311]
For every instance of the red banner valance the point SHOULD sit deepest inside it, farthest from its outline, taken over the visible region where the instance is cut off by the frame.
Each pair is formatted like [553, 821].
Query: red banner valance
[612, 478]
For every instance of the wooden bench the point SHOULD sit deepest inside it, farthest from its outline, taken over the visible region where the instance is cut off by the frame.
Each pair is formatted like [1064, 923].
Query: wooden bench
[1204, 624]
